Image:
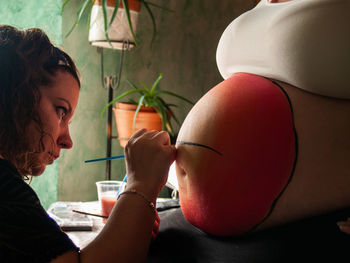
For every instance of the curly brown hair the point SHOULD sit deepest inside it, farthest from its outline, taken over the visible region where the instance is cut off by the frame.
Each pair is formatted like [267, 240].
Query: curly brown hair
[28, 61]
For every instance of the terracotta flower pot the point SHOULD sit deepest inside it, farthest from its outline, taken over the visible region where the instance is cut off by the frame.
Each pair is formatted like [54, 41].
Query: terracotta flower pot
[119, 30]
[124, 113]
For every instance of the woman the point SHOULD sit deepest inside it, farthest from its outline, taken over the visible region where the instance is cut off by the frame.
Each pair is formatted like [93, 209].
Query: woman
[39, 94]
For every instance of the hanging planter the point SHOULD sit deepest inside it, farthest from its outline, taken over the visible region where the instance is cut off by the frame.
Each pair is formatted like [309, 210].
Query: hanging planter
[113, 22]
[146, 118]
[122, 27]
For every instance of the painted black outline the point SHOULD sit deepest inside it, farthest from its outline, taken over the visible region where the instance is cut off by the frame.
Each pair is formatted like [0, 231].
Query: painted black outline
[198, 144]
[295, 159]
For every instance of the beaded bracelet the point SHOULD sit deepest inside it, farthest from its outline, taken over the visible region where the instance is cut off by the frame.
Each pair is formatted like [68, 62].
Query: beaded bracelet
[133, 191]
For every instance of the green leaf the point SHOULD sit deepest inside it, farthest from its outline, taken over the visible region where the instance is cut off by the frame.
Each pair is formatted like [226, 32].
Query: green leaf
[79, 16]
[104, 11]
[149, 100]
[105, 21]
[136, 112]
[117, 99]
[89, 18]
[170, 113]
[158, 6]
[160, 109]
[153, 21]
[64, 5]
[144, 85]
[175, 95]
[131, 84]
[156, 83]
[132, 101]
[127, 12]
[116, 7]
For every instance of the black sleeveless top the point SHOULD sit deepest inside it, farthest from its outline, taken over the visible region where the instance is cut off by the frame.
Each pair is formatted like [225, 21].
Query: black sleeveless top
[27, 233]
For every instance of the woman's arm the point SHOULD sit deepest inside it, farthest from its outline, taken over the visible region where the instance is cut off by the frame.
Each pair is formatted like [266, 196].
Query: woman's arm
[128, 231]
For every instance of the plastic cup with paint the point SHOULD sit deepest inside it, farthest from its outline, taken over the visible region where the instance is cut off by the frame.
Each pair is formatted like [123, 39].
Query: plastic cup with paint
[107, 192]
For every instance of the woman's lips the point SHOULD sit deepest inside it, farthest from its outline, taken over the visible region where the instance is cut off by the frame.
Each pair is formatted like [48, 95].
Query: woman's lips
[52, 158]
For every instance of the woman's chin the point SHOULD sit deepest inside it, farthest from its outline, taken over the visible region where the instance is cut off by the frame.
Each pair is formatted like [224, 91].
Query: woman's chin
[39, 170]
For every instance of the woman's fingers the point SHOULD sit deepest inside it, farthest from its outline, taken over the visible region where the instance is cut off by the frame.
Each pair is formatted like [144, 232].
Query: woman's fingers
[142, 133]
[137, 134]
[344, 226]
[163, 137]
[148, 156]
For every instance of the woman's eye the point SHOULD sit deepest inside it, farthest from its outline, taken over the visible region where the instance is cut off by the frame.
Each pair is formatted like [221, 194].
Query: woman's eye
[61, 111]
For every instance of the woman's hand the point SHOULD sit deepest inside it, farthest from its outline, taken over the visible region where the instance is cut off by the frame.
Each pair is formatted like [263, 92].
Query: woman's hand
[344, 226]
[148, 157]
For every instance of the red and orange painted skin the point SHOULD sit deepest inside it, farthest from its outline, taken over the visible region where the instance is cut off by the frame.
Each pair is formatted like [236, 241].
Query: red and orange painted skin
[249, 149]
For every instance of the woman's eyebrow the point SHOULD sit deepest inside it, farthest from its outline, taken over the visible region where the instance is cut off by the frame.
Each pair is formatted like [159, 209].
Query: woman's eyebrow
[199, 145]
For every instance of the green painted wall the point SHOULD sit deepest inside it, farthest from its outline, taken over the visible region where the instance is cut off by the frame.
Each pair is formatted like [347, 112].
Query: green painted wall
[184, 51]
[47, 16]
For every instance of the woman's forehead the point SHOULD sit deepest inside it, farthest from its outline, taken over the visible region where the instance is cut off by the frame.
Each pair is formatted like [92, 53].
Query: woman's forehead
[63, 86]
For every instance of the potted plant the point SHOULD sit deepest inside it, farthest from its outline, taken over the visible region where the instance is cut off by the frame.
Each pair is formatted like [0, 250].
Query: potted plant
[113, 22]
[150, 111]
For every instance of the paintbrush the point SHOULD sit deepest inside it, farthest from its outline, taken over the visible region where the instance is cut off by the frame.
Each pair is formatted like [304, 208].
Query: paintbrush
[89, 214]
[105, 159]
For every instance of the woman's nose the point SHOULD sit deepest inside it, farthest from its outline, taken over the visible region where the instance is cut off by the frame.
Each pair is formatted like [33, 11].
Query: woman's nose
[65, 141]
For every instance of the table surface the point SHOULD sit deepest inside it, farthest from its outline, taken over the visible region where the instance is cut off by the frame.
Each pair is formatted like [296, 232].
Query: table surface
[83, 238]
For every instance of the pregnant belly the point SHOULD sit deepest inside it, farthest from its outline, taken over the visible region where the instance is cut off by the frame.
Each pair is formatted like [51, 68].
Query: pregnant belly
[236, 153]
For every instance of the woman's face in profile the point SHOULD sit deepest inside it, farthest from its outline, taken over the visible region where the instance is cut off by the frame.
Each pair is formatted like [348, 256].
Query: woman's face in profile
[56, 109]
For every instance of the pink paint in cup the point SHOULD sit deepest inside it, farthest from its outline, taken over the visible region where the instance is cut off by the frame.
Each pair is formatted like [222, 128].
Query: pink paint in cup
[107, 192]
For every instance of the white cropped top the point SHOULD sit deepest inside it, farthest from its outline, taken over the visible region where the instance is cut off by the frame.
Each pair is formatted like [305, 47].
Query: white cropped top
[305, 43]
